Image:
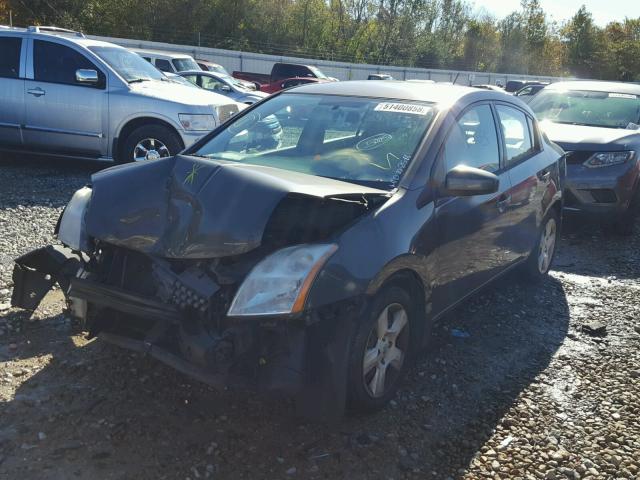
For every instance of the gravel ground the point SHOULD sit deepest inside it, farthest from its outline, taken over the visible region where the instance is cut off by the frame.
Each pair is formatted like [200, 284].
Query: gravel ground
[530, 393]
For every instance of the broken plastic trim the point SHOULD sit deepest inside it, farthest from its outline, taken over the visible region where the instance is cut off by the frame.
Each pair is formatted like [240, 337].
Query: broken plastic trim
[125, 302]
[36, 272]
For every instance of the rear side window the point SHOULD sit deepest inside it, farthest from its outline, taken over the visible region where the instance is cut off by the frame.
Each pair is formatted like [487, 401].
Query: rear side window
[517, 134]
[55, 63]
[183, 64]
[10, 57]
[288, 71]
[473, 141]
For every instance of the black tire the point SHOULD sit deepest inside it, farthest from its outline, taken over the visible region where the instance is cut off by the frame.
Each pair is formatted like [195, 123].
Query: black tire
[624, 225]
[360, 397]
[164, 135]
[534, 267]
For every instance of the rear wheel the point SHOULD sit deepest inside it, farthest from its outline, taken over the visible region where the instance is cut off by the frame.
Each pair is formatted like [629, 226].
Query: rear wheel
[150, 142]
[382, 350]
[541, 257]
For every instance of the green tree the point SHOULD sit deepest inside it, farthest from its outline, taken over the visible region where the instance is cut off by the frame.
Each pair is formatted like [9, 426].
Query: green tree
[481, 43]
[581, 38]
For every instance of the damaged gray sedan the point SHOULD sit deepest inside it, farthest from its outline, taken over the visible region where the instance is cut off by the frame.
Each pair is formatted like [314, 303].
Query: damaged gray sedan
[308, 245]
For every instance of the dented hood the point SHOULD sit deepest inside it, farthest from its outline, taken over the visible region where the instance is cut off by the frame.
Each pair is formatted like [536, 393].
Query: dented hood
[188, 207]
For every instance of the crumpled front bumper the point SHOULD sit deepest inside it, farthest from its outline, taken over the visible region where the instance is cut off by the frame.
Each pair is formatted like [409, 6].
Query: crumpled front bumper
[304, 357]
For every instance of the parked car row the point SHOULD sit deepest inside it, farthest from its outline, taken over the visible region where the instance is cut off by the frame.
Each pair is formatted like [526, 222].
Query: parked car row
[309, 241]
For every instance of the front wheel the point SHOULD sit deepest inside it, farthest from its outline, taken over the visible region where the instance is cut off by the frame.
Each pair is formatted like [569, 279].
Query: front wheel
[382, 350]
[541, 257]
[150, 142]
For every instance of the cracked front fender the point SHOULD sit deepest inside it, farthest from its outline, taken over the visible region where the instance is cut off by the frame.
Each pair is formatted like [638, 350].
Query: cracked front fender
[36, 272]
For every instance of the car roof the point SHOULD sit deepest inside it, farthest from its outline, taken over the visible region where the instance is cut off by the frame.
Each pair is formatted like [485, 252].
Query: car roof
[398, 89]
[86, 42]
[75, 37]
[596, 86]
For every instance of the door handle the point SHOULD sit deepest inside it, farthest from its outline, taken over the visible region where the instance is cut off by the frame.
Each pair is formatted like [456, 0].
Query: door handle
[36, 92]
[503, 202]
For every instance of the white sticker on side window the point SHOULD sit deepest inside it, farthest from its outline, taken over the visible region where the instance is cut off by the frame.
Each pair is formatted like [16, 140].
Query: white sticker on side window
[403, 108]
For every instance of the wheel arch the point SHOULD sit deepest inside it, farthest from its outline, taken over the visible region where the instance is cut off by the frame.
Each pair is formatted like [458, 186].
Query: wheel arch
[413, 283]
[137, 122]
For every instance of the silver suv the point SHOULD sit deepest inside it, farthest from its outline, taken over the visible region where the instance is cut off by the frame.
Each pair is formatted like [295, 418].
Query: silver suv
[67, 95]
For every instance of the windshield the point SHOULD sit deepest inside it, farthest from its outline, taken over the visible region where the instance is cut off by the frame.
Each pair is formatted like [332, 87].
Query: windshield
[317, 72]
[232, 81]
[360, 140]
[582, 107]
[182, 80]
[130, 66]
[184, 64]
[218, 69]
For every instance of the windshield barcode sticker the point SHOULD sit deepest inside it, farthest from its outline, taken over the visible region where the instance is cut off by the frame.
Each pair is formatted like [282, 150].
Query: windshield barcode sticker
[403, 108]
[622, 95]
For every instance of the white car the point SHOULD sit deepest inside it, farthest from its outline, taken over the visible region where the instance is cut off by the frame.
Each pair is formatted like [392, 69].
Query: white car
[167, 61]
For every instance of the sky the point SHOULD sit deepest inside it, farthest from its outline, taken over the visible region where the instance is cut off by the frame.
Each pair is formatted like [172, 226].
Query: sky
[603, 11]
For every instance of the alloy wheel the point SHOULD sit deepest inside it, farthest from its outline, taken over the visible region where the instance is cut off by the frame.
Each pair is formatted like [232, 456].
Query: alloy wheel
[385, 351]
[547, 245]
[150, 149]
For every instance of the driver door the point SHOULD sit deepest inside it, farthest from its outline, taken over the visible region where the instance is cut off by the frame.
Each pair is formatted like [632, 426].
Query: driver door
[61, 114]
[469, 247]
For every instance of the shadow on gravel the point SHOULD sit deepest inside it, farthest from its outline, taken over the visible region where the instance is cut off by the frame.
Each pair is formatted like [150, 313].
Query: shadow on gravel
[108, 413]
[513, 329]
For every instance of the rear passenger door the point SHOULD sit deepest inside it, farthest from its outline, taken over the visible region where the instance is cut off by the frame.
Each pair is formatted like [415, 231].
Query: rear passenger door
[12, 71]
[62, 114]
[529, 174]
[470, 228]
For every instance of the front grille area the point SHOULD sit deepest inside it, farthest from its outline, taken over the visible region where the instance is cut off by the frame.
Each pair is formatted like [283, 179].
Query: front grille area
[225, 112]
[604, 195]
[578, 157]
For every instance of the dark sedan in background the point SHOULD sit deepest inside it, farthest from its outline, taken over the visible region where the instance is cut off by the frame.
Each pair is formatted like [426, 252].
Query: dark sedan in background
[316, 265]
[598, 124]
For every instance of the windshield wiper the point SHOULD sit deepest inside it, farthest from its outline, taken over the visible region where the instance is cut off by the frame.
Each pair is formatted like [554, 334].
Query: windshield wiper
[139, 80]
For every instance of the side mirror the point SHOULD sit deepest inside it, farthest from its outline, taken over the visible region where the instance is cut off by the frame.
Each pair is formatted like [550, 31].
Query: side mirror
[464, 181]
[87, 76]
[225, 88]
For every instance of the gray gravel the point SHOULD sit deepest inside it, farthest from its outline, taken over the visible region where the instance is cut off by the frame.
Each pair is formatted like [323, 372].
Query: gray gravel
[534, 391]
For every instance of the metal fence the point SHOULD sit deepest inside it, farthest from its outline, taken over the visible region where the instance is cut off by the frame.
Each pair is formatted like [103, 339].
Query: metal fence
[262, 63]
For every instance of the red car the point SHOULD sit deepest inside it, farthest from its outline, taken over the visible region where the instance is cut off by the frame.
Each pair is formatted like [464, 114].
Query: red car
[284, 75]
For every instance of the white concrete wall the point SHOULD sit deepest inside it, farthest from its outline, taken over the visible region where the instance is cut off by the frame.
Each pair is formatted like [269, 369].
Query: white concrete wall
[262, 63]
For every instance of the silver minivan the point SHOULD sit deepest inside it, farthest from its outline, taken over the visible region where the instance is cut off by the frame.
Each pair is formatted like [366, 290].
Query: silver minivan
[67, 95]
